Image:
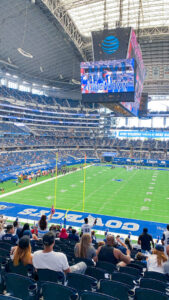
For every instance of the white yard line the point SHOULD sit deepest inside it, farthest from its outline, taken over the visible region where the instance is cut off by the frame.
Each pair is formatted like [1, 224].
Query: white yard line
[38, 183]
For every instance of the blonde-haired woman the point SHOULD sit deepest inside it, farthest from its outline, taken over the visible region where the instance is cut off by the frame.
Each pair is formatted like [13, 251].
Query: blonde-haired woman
[156, 260]
[85, 249]
[22, 252]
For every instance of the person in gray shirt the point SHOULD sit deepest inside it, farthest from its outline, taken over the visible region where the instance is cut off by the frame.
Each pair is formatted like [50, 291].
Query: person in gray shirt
[85, 249]
[166, 264]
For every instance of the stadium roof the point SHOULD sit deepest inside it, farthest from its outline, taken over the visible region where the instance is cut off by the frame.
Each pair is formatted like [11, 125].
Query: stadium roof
[56, 33]
[89, 14]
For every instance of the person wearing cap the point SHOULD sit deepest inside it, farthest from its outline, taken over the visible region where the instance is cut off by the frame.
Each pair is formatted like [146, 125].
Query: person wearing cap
[111, 254]
[55, 261]
[156, 260]
[166, 264]
[22, 252]
[145, 240]
[9, 236]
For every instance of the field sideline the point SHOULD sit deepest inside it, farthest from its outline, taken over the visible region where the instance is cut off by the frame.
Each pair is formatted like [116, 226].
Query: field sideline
[137, 194]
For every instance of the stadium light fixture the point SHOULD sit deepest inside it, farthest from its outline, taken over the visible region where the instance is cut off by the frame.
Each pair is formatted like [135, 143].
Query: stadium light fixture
[24, 53]
[8, 64]
[75, 81]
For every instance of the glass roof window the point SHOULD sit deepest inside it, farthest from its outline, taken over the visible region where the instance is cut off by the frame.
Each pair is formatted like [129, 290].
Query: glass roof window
[88, 15]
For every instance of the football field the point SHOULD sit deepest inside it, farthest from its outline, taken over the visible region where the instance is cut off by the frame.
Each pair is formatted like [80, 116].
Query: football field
[137, 194]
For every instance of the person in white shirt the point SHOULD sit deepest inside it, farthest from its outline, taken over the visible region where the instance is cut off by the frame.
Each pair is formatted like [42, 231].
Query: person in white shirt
[156, 260]
[86, 228]
[165, 238]
[55, 261]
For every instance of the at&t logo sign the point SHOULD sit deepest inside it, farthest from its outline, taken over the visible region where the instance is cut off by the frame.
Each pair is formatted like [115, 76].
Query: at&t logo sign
[110, 44]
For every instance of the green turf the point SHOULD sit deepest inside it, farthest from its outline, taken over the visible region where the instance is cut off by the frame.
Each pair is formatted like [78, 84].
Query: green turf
[102, 195]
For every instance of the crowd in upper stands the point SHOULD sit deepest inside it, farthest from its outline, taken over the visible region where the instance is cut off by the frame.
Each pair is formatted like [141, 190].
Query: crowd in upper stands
[36, 99]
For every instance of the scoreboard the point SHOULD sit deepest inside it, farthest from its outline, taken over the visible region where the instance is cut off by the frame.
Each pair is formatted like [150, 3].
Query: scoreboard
[117, 72]
[108, 80]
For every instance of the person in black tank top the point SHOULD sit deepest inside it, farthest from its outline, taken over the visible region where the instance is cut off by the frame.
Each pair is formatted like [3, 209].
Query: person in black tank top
[112, 255]
[106, 254]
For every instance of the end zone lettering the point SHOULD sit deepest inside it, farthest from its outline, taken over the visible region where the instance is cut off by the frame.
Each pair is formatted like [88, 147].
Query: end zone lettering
[103, 222]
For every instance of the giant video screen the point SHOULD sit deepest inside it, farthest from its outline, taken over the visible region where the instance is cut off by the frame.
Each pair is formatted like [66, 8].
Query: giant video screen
[108, 77]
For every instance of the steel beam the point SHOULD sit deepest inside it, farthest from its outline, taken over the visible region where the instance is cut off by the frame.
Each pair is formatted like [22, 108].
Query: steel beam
[63, 17]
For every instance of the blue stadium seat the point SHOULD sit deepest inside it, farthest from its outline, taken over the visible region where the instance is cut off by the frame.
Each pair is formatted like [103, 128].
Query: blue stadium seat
[148, 294]
[115, 289]
[132, 271]
[97, 273]
[3, 297]
[50, 275]
[18, 286]
[81, 282]
[54, 291]
[155, 275]
[5, 245]
[153, 284]
[124, 278]
[95, 296]
[106, 266]
[20, 269]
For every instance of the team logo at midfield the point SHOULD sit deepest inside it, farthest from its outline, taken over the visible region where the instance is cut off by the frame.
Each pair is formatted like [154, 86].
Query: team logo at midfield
[110, 44]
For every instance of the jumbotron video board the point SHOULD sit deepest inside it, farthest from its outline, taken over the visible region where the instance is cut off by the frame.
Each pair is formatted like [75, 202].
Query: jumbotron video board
[109, 80]
[98, 85]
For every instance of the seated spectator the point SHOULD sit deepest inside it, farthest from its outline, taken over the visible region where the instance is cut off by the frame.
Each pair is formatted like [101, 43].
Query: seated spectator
[25, 231]
[110, 254]
[17, 228]
[120, 245]
[53, 229]
[2, 232]
[166, 264]
[94, 241]
[56, 261]
[69, 230]
[128, 244]
[3, 219]
[165, 238]
[22, 252]
[9, 236]
[84, 249]
[43, 225]
[156, 260]
[63, 234]
[141, 257]
[145, 240]
[34, 230]
[73, 236]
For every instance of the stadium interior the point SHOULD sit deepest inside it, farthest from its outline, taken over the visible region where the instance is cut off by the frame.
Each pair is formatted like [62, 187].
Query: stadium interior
[84, 134]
